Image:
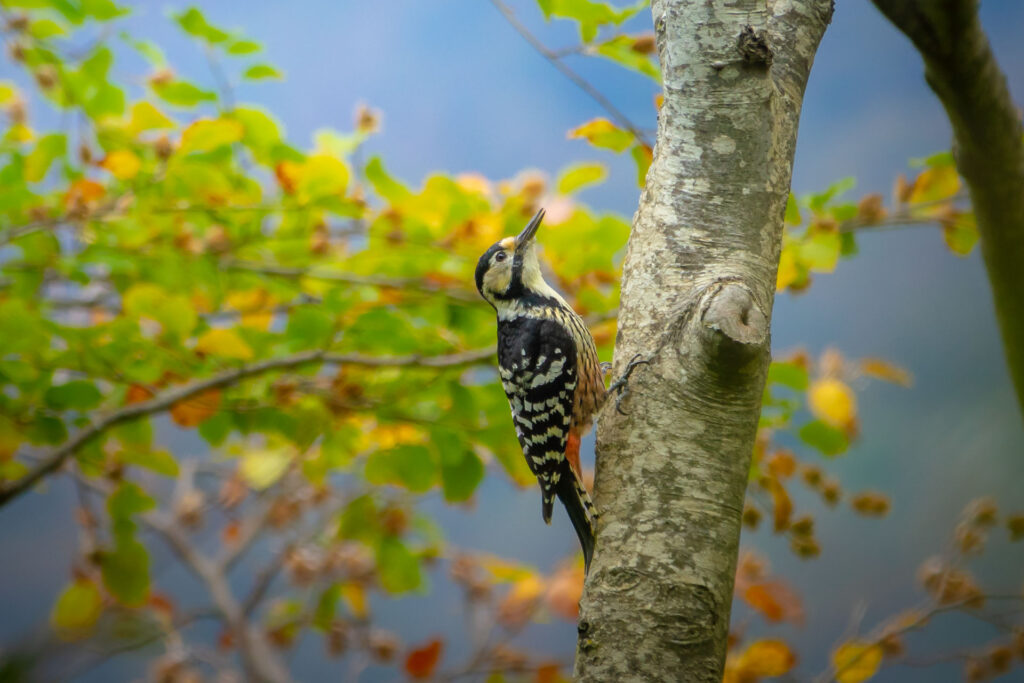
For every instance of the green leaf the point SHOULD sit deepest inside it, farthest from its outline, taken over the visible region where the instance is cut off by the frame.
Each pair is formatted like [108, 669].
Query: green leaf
[820, 250]
[826, 438]
[258, 72]
[243, 47]
[407, 465]
[182, 94]
[326, 607]
[103, 10]
[194, 23]
[157, 460]
[788, 374]
[398, 570]
[961, 234]
[793, 211]
[77, 609]
[383, 184]
[461, 472]
[41, 29]
[620, 49]
[590, 15]
[147, 48]
[262, 132]
[48, 149]
[126, 572]
[174, 312]
[128, 500]
[642, 156]
[309, 327]
[74, 395]
[144, 116]
[581, 175]
[817, 202]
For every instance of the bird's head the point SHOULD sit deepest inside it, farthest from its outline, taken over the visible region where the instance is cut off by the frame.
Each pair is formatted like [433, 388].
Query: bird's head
[509, 270]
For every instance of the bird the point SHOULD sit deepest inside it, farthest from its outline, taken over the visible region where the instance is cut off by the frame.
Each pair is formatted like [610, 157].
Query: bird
[549, 369]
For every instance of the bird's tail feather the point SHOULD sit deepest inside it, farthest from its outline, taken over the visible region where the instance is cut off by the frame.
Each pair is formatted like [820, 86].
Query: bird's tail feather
[582, 514]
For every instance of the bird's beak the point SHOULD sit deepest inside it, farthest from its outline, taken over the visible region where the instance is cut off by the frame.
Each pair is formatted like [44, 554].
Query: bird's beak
[528, 233]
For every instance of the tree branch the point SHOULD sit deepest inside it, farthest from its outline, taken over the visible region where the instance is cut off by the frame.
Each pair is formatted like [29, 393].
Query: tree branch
[51, 461]
[962, 70]
[556, 61]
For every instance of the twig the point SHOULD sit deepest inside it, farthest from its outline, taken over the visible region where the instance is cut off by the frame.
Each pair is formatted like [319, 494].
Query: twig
[51, 461]
[555, 60]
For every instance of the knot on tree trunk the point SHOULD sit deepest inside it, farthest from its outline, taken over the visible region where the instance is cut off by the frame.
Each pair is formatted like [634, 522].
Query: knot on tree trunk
[732, 319]
[753, 47]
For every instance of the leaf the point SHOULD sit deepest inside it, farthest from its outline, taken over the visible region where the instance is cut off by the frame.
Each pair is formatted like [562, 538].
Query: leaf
[194, 23]
[827, 439]
[935, 184]
[47, 150]
[642, 156]
[856, 661]
[309, 326]
[125, 572]
[884, 370]
[461, 472]
[123, 164]
[565, 588]
[411, 466]
[127, 500]
[194, 411]
[208, 134]
[792, 211]
[243, 47]
[174, 312]
[321, 176]
[767, 658]
[103, 10]
[157, 460]
[820, 250]
[421, 662]
[77, 609]
[581, 175]
[145, 116]
[383, 184]
[790, 374]
[961, 233]
[398, 570]
[833, 402]
[622, 49]
[258, 72]
[782, 506]
[224, 343]
[77, 394]
[590, 15]
[603, 133]
[261, 468]
[775, 600]
[8, 92]
[182, 93]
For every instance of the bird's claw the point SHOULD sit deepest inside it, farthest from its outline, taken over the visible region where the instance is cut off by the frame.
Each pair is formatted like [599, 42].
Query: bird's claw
[621, 386]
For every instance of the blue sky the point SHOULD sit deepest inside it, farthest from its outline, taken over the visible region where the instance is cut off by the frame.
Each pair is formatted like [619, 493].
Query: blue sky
[461, 91]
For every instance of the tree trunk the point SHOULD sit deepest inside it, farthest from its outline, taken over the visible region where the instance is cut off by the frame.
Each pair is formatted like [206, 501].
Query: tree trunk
[697, 292]
[987, 132]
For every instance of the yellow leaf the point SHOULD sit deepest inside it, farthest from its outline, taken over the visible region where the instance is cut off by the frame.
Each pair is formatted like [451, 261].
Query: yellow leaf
[788, 270]
[321, 176]
[767, 658]
[603, 133]
[355, 595]
[123, 164]
[144, 116]
[208, 134]
[935, 184]
[880, 369]
[832, 402]
[224, 342]
[77, 609]
[855, 661]
[262, 468]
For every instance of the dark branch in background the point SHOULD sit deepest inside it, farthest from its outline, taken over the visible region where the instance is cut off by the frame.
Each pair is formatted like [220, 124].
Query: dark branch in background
[555, 59]
[52, 461]
[987, 132]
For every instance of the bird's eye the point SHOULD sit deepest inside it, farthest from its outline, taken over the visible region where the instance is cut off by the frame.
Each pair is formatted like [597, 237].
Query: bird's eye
[500, 256]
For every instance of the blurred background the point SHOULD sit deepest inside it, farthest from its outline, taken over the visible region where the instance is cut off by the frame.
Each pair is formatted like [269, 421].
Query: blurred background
[461, 91]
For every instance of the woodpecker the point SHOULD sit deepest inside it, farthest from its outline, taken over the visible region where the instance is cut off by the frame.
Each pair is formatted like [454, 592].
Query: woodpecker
[550, 371]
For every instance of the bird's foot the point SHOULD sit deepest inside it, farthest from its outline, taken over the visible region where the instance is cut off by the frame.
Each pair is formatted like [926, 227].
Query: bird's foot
[620, 387]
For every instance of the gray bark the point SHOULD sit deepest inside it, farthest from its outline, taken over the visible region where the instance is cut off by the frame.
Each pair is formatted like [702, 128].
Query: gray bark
[697, 292]
[987, 132]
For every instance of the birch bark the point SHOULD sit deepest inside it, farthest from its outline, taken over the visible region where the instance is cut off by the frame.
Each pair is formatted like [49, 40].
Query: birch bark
[697, 294]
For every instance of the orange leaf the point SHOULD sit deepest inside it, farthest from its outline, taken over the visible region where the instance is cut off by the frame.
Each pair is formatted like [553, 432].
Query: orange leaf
[775, 600]
[548, 673]
[880, 369]
[137, 394]
[83, 191]
[421, 662]
[783, 506]
[192, 412]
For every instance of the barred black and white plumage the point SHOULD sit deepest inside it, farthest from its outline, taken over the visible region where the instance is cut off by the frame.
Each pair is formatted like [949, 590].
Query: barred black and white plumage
[550, 372]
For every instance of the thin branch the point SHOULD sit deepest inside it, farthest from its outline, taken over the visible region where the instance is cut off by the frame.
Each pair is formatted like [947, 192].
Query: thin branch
[555, 60]
[405, 284]
[51, 461]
